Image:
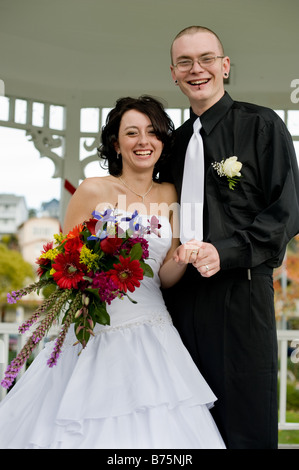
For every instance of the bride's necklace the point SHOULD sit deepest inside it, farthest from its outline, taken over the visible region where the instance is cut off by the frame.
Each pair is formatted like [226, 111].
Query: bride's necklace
[140, 195]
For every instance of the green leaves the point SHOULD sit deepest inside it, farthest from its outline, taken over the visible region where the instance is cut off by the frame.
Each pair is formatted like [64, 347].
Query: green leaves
[86, 318]
[99, 312]
[232, 182]
[96, 308]
[147, 270]
[136, 253]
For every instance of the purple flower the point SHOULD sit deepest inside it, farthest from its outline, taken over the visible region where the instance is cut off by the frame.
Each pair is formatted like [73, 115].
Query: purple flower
[14, 296]
[103, 218]
[143, 242]
[134, 222]
[52, 361]
[14, 368]
[106, 216]
[11, 299]
[27, 324]
[106, 287]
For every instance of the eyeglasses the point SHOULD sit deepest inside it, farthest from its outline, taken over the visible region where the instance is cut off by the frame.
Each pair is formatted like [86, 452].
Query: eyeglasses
[187, 64]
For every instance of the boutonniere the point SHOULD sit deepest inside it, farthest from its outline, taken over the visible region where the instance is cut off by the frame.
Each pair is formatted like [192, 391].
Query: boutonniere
[230, 168]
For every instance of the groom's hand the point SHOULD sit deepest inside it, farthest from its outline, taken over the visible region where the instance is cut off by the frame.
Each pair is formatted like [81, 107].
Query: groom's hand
[207, 261]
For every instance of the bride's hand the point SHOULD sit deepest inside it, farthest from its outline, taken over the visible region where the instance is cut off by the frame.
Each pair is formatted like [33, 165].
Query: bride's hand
[187, 253]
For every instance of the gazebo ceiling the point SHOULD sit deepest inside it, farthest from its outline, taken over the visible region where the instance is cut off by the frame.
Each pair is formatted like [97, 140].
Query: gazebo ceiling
[103, 49]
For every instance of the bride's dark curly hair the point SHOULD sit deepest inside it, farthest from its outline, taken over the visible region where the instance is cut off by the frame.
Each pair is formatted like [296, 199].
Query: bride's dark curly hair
[162, 124]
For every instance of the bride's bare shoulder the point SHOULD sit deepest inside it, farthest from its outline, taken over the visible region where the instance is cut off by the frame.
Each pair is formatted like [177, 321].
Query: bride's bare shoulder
[94, 184]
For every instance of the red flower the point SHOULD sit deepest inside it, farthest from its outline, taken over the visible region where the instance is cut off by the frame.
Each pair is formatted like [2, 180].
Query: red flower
[69, 270]
[111, 244]
[90, 224]
[126, 274]
[73, 244]
[44, 263]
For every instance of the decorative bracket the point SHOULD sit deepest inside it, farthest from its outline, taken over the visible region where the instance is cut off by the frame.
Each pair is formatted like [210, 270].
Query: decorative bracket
[44, 143]
[91, 158]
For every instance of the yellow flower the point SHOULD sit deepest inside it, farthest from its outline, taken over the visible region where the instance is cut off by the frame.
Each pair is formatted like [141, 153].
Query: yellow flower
[50, 254]
[88, 258]
[59, 238]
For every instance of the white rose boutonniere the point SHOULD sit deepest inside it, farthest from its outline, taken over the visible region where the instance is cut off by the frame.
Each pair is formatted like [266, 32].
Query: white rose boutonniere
[230, 168]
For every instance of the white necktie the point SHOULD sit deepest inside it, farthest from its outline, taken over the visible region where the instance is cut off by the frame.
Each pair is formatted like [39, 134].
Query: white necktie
[192, 197]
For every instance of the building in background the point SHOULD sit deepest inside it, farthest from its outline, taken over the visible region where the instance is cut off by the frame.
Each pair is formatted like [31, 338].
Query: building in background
[33, 234]
[50, 209]
[13, 212]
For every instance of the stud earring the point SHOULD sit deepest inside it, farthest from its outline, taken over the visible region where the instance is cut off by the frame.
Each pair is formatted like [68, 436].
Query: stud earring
[225, 75]
[175, 82]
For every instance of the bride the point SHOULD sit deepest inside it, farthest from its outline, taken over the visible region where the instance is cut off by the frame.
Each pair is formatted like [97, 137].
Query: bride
[135, 385]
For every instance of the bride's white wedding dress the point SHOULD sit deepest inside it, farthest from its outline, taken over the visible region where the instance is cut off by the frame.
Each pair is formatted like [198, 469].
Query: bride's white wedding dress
[134, 386]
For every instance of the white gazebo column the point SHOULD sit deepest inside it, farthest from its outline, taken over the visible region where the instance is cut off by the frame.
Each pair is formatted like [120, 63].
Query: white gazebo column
[71, 168]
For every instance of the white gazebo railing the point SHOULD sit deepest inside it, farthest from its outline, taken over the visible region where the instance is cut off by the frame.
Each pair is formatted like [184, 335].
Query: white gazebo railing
[10, 330]
[284, 336]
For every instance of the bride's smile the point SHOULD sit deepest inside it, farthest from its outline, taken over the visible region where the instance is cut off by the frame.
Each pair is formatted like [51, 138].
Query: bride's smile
[137, 141]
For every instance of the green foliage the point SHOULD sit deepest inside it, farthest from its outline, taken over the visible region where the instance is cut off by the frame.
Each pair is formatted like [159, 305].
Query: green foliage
[292, 397]
[290, 436]
[292, 416]
[48, 290]
[14, 271]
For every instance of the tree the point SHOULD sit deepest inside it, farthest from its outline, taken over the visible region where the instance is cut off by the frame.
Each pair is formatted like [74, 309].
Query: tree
[15, 273]
[287, 296]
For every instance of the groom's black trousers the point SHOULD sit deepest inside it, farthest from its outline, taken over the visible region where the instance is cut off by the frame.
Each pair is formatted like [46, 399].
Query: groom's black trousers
[227, 323]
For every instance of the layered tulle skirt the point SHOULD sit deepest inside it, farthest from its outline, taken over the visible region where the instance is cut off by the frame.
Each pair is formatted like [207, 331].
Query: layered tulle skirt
[134, 386]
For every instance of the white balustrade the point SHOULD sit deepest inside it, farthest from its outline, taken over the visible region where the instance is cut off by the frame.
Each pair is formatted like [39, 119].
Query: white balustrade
[284, 337]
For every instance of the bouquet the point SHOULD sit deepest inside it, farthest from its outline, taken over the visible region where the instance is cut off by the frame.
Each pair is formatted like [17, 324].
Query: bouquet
[93, 264]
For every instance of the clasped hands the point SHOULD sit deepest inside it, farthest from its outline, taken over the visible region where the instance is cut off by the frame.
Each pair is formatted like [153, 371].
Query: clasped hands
[203, 256]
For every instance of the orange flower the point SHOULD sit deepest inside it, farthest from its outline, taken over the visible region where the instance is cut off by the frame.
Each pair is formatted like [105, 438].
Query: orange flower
[75, 232]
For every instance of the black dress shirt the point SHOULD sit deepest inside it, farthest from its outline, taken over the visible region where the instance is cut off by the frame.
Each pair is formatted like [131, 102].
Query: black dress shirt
[252, 224]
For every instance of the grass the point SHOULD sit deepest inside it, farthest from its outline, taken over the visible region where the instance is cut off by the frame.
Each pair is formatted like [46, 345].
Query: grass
[287, 436]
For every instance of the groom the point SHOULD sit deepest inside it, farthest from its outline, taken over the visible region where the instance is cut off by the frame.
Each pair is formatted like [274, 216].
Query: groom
[223, 307]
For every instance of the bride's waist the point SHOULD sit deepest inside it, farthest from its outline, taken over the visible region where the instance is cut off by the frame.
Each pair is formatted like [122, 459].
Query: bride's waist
[123, 312]
[159, 318]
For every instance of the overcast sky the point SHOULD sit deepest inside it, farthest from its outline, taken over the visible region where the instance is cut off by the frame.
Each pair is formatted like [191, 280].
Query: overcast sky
[24, 173]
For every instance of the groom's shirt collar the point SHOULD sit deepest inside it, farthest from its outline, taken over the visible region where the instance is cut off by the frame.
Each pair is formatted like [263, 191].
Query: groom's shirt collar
[213, 115]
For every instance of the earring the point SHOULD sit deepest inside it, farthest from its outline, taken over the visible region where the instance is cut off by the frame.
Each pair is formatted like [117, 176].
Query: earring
[117, 156]
[175, 82]
[225, 75]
